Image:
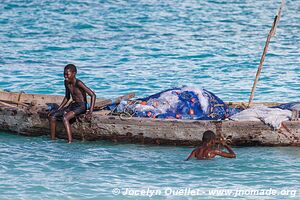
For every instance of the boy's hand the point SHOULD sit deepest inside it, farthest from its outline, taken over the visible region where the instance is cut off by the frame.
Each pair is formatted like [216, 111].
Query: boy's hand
[223, 141]
[50, 113]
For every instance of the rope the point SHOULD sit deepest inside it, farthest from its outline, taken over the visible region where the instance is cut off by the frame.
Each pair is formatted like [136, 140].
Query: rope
[19, 97]
[127, 112]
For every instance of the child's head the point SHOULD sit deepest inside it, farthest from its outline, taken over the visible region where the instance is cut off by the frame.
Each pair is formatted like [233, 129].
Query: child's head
[70, 72]
[209, 137]
[71, 67]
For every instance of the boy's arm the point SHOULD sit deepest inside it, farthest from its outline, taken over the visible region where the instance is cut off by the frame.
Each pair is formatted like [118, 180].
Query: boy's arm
[64, 102]
[191, 155]
[229, 154]
[66, 99]
[90, 93]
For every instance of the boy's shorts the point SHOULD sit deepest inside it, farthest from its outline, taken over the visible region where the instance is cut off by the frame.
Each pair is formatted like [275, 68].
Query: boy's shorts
[77, 108]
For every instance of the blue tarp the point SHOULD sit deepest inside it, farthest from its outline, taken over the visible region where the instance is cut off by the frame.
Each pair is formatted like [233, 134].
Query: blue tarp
[289, 106]
[180, 103]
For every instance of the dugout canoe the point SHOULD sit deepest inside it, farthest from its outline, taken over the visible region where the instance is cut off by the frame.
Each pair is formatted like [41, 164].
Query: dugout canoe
[25, 114]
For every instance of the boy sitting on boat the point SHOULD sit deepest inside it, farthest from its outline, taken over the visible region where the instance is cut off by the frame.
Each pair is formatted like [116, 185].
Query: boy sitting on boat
[78, 90]
[208, 149]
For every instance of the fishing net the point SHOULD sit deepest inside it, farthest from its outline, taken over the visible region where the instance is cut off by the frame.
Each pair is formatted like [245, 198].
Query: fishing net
[178, 103]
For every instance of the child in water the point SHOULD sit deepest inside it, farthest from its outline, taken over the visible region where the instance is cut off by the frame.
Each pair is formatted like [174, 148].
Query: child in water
[208, 149]
[78, 90]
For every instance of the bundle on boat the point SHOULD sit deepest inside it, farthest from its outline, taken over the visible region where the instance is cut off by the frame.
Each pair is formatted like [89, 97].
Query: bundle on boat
[178, 103]
[177, 116]
[190, 103]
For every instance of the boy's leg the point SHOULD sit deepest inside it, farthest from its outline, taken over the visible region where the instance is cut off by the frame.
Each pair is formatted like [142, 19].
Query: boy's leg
[52, 121]
[53, 117]
[67, 125]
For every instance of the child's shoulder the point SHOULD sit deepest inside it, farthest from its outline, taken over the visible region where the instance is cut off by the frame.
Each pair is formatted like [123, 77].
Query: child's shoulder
[78, 81]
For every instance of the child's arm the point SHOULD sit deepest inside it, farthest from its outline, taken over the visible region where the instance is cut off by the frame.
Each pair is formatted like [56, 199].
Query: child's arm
[192, 155]
[229, 154]
[66, 99]
[90, 93]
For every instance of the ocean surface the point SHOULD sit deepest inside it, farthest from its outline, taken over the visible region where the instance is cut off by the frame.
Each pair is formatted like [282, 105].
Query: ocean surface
[145, 46]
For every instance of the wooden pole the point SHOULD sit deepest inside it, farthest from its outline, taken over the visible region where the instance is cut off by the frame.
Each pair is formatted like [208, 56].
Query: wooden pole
[271, 34]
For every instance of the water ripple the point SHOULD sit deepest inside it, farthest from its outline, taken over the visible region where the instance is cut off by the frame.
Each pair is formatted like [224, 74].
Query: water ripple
[146, 47]
[39, 168]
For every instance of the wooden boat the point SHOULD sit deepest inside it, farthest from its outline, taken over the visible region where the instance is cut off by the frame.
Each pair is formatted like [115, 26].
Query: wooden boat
[26, 114]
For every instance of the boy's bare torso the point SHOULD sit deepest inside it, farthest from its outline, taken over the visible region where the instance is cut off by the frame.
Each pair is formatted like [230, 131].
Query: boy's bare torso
[76, 91]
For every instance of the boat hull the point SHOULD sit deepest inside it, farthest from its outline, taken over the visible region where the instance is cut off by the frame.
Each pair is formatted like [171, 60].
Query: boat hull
[34, 122]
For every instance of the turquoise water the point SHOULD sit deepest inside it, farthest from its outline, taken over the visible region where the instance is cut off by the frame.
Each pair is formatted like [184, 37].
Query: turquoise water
[37, 168]
[144, 47]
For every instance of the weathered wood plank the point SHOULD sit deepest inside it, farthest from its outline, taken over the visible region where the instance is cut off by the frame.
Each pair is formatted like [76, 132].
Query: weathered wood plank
[40, 99]
[244, 105]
